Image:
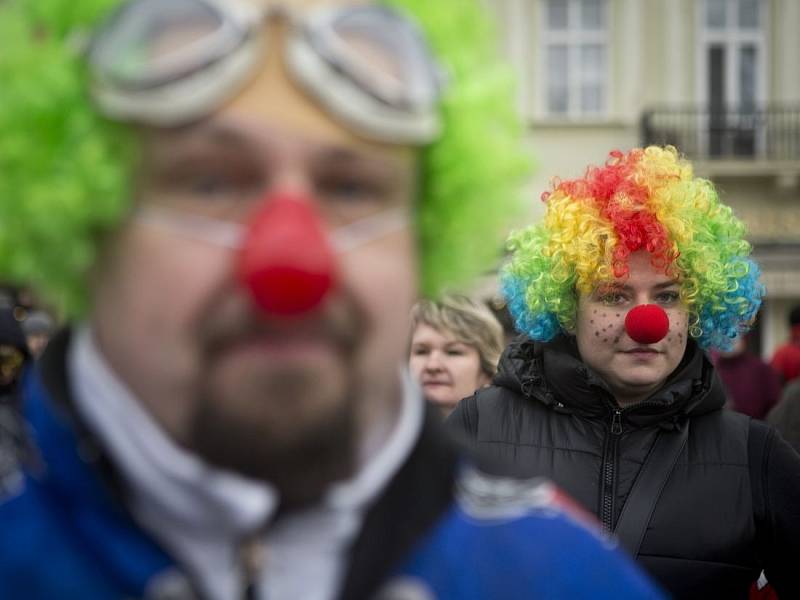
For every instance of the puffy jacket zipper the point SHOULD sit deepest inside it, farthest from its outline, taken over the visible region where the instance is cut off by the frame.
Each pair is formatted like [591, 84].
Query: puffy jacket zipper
[252, 559]
[609, 470]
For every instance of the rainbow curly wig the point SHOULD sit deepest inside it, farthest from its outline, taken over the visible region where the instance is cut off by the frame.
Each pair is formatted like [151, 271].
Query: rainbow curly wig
[647, 199]
[65, 172]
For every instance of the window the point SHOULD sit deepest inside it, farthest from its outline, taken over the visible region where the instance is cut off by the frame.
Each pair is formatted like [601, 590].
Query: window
[732, 75]
[575, 58]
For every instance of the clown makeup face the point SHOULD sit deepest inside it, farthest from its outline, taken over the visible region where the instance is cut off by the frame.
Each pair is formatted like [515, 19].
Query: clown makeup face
[632, 370]
[281, 399]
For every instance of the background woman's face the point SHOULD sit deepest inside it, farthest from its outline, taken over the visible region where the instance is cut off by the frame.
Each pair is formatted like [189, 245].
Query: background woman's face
[447, 368]
[633, 370]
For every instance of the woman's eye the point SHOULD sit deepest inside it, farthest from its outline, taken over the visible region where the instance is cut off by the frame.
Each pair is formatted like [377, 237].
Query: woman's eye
[612, 298]
[668, 297]
[455, 352]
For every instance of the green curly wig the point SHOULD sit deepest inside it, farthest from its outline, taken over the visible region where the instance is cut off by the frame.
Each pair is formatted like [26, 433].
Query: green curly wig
[65, 171]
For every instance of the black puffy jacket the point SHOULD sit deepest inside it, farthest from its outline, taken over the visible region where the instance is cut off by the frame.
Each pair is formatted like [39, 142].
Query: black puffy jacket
[731, 506]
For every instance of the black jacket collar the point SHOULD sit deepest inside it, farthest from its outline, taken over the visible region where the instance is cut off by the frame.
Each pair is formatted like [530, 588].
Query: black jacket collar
[554, 374]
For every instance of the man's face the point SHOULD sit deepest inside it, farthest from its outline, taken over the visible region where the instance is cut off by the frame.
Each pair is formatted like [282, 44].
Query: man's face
[244, 389]
[632, 370]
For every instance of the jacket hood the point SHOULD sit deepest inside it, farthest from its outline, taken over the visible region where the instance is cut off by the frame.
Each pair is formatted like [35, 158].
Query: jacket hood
[554, 374]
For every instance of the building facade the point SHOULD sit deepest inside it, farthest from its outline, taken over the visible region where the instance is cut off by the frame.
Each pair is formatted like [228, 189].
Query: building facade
[719, 79]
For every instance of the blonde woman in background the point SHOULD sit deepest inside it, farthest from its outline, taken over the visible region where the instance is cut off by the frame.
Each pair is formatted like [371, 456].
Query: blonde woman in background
[455, 345]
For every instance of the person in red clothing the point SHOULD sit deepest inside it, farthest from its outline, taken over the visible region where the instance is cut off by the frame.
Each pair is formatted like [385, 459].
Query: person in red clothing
[752, 387]
[786, 360]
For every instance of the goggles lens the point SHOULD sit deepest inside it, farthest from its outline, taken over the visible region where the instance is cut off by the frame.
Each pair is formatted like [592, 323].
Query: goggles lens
[150, 43]
[380, 51]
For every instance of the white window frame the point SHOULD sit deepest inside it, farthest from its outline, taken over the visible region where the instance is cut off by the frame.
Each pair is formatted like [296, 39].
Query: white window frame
[732, 38]
[573, 38]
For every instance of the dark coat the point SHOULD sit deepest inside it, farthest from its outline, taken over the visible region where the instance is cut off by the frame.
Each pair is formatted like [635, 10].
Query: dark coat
[785, 417]
[722, 517]
[752, 385]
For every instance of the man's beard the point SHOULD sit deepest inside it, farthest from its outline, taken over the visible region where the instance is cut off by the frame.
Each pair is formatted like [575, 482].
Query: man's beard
[301, 463]
[294, 425]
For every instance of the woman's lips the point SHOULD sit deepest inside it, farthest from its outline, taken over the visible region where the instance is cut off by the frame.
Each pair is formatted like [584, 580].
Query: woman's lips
[642, 352]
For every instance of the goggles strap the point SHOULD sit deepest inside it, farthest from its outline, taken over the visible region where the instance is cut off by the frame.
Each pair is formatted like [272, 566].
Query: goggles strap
[230, 235]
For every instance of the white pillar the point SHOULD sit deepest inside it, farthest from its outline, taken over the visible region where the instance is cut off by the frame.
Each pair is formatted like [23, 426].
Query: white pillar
[625, 91]
[678, 51]
[786, 49]
[521, 52]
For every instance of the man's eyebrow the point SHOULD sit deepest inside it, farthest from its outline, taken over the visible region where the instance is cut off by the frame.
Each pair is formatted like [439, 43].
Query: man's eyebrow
[336, 156]
[215, 134]
[340, 153]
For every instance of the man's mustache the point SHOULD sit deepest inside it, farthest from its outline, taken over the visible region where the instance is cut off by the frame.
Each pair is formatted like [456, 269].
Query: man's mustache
[338, 322]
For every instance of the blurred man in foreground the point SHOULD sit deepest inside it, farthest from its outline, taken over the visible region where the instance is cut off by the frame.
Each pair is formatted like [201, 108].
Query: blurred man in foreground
[228, 418]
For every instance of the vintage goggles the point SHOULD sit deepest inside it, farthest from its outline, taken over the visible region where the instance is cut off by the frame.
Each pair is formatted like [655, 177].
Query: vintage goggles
[169, 62]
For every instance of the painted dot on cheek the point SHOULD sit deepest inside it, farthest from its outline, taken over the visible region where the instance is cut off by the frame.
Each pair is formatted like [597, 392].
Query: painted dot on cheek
[605, 340]
[616, 340]
[597, 333]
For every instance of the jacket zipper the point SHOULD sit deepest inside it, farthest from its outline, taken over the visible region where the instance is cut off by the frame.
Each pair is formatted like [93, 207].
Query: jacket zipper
[609, 470]
[252, 560]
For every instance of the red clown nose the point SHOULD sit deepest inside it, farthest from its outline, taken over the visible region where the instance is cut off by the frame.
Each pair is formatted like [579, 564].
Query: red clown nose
[647, 323]
[285, 259]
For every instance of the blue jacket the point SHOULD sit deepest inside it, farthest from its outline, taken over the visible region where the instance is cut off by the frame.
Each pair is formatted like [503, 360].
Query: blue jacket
[439, 529]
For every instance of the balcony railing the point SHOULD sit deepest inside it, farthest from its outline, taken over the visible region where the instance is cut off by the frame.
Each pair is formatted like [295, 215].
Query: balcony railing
[768, 133]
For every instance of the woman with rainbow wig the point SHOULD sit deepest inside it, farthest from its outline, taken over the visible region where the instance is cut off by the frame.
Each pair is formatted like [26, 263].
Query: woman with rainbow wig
[635, 271]
[643, 200]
